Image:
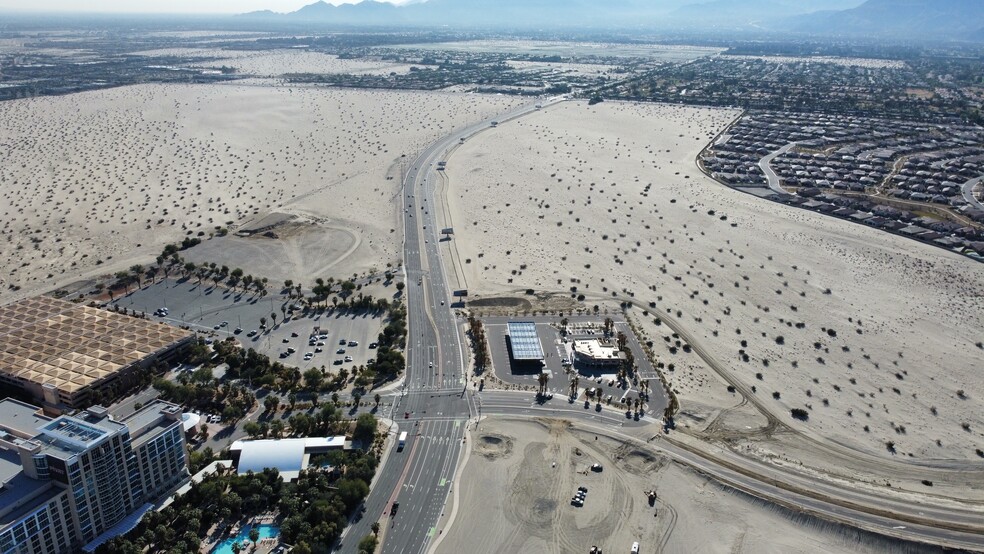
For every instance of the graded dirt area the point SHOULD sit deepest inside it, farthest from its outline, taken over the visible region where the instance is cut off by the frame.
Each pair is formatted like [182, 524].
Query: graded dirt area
[301, 250]
[94, 182]
[875, 336]
[515, 496]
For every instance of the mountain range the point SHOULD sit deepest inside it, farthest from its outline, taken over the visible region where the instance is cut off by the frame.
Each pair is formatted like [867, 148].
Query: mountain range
[907, 19]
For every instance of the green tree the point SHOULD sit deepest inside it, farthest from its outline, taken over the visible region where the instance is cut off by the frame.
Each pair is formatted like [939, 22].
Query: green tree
[368, 544]
[365, 430]
[313, 378]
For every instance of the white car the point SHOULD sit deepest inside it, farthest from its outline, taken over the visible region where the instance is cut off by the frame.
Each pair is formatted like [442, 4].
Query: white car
[309, 355]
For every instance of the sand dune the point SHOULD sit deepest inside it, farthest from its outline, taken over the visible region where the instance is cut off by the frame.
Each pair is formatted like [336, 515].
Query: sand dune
[876, 336]
[95, 182]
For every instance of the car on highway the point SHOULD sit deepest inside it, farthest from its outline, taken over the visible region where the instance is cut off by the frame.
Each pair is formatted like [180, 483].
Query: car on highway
[373, 345]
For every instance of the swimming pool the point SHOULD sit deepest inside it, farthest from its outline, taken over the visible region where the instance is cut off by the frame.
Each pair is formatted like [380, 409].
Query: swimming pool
[266, 532]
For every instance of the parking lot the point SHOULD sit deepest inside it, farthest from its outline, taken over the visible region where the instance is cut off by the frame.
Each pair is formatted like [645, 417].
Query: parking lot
[557, 357]
[219, 313]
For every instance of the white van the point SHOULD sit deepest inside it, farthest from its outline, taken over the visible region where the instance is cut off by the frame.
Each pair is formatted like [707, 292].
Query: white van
[635, 548]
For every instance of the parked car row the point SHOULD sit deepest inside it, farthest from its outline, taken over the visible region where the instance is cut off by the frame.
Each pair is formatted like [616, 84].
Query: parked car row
[579, 496]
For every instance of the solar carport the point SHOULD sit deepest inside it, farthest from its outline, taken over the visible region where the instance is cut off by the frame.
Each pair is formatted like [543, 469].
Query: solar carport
[525, 350]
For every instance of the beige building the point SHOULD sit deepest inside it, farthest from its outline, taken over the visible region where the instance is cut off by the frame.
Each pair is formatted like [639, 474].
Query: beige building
[59, 352]
[72, 482]
[596, 352]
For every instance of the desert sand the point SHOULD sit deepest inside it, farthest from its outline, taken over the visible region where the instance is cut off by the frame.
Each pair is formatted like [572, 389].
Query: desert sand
[275, 63]
[515, 490]
[877, 337]
[95, 182]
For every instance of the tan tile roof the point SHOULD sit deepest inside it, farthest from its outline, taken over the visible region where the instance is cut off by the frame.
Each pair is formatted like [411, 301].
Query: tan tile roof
[70, 346]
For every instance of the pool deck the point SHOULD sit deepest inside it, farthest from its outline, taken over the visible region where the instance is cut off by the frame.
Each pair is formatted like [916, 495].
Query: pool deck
[217, 535]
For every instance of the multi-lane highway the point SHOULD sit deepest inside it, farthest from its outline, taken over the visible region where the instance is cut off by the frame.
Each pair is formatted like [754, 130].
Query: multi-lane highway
[434, 403]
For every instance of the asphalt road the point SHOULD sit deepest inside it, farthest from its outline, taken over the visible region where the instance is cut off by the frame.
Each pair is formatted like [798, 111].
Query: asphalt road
[434, 403]
[968, 192]
[766, 166]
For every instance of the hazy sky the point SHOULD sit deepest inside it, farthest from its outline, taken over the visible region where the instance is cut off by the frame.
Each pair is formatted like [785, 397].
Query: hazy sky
[162, 6]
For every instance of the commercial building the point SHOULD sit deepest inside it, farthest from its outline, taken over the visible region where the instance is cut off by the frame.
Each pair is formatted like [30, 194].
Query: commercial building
[61, 353]
[594, 352]
[72, 482]
[288, 456]
[524, 343]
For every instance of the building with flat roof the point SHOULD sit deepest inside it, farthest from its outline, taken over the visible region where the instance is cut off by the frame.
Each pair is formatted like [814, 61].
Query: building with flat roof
[73, 480]
[524, 343]
[288, 456]
[60, 352]
[596, 353]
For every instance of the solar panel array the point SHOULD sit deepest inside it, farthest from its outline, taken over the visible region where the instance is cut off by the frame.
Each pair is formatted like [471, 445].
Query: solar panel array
[71, 346]
[524, 341]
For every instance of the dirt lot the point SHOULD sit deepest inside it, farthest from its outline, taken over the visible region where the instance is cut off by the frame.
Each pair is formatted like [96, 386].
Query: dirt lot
[515, 496]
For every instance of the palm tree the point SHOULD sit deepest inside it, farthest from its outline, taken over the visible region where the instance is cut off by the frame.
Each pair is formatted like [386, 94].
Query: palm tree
[137, 271]
[273, 316]
[377, 398]
[262, 321]
[542, 380]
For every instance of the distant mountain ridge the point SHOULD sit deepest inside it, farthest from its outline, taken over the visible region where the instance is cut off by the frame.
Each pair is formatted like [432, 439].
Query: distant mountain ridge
[940, 19]
[932, 19]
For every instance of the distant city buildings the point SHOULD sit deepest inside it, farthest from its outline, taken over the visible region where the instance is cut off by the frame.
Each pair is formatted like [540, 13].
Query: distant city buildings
[71, 482]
